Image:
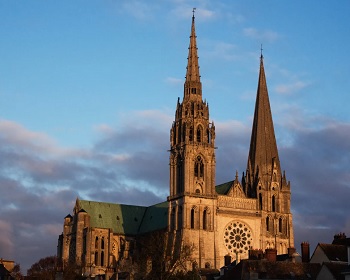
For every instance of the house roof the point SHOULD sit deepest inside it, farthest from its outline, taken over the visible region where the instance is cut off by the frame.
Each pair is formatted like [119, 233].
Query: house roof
[334, 252]
[336, 269]
[125, 219]
[274, 270]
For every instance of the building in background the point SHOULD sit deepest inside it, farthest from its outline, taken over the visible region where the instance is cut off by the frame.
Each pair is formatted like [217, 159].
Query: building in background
[214, 220]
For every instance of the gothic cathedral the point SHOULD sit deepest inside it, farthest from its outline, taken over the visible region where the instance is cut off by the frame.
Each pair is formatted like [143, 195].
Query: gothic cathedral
[217, 220]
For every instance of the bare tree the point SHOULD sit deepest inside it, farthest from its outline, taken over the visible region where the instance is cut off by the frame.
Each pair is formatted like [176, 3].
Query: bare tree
[44, 269]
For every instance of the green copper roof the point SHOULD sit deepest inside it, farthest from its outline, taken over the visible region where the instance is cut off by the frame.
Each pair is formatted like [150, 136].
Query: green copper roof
[126, 219]
[156, 217]
[223, 188]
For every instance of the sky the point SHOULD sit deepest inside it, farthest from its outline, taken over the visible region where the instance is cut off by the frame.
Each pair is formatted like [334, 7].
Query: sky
[88, 92]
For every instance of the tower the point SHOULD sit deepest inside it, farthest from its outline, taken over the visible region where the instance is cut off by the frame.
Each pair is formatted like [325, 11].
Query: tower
[192, 197]
[264, 179]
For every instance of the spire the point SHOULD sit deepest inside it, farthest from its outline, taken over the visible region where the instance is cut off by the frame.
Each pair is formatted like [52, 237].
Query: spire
[192, 74]
[263, 154]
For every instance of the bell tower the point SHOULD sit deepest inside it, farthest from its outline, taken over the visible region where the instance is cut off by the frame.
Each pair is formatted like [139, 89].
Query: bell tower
[264, 178]
[193, 197]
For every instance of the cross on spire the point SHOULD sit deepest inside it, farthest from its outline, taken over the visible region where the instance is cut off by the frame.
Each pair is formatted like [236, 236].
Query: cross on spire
[193, 11]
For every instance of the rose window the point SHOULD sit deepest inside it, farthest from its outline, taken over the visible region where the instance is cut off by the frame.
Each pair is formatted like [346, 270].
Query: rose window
[237, 237]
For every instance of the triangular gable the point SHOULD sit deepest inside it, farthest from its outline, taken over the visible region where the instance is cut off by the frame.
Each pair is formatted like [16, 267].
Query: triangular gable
[236, 191]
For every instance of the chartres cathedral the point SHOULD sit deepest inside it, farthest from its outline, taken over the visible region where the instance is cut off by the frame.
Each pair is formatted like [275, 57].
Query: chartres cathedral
[215, 220]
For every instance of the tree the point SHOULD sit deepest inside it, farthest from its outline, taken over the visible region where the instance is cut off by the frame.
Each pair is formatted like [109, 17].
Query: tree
[16, 272]
[44, 269]
[158, 261]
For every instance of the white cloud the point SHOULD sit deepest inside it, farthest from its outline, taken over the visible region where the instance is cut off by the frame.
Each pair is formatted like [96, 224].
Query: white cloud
[263, 36]
[291, 88]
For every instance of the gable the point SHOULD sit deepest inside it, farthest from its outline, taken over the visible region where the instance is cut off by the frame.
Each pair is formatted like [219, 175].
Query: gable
[236, 191]
[329, 253]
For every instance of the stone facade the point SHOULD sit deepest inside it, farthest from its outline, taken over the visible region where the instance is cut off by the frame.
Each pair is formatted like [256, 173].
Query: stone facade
[227, 219]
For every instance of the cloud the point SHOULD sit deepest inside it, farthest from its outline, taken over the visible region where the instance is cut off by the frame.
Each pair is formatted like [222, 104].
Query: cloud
[220, 50]
[129, 164]
[174, 81]
[291, 88]
[139, 9]
[263, 36]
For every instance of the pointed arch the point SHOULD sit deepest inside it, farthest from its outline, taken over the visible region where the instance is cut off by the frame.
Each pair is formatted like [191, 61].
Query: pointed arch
[273, 203]
[260, 202]
[267, 224]
[102, 258]
[192, 220]
[199, 167]
[96, 242]
[190, 134]
[102, 243]
[208, 135]
[280, 225]
[199, 133]
[205, 219]
[179, 175]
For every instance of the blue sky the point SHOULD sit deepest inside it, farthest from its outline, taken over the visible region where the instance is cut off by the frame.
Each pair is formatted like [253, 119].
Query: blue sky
[88, 91]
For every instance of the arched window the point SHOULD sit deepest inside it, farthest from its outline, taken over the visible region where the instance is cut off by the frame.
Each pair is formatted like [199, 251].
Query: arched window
[199, 167]
[190, 136]
[205, 219]
[260, 202]
[102, 258]
[199, 134]
[273, 204]
[96, 258]
[179, 177]
[192, 218]
[267, 224]
[96, 242]
[179, 218]
[280, 224]
[102, 243]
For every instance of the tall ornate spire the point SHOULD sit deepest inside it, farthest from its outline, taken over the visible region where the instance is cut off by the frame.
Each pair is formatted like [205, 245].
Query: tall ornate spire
[193, 84]
[263, 160]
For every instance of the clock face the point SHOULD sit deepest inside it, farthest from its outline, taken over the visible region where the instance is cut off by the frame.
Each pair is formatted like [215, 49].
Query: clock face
[238, 237]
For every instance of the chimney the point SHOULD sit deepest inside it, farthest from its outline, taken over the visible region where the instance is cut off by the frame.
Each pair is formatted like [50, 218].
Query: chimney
[271, 254]
[227, 260]
[255, 254]
[305, 252]
[339, 238]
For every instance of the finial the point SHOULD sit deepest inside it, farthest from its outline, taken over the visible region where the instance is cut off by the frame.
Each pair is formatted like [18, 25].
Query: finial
[193, 10]
[261, 51]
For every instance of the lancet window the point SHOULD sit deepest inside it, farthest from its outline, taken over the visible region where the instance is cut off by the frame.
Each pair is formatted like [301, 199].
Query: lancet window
[192, 217]
[199, 134]
[273, 202]
[199, 167]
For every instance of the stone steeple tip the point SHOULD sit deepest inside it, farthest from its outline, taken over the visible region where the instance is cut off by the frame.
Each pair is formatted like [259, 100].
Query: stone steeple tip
[192, 74]
[263, 160]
